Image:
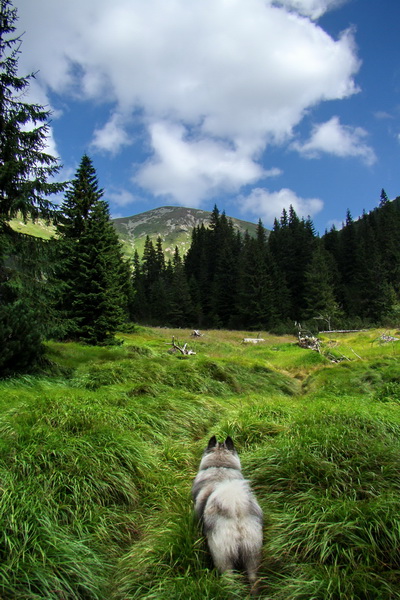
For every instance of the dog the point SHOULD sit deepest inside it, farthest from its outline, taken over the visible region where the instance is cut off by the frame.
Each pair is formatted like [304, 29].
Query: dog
[226, 507]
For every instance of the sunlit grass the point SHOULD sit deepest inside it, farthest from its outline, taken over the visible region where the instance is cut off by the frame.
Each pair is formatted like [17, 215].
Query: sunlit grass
[97, 459]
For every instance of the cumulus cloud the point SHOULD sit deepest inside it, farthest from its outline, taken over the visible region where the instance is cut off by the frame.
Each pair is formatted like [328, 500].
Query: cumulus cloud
[112, 136]
[190, 169]
[311, 8]
[341, 140]
[269, 205]
[215, 82]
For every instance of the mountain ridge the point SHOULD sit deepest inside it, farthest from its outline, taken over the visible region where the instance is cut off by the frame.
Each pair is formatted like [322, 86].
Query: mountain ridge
[173, 224]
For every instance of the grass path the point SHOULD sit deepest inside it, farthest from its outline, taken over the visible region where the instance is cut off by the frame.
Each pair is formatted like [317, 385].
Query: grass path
[97, 460]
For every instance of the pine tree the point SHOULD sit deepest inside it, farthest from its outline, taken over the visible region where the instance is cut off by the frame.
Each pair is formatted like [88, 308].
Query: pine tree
[94, 277]
[224, 268]
[319, 291]
[25, 167]
[291, 244]
[21, 334]
[181, 312]
[158, 296]
[384, 198]
[372, 297]
[197, 269]
[138, 305]
[255, 302]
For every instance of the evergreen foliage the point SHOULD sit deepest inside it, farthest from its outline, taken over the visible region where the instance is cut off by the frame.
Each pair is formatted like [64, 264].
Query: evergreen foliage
[21, 333]
[347, 278]
[25, 168]
[93, 277]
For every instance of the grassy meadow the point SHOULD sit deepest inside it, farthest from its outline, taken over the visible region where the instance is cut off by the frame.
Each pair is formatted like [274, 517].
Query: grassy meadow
[98, 453]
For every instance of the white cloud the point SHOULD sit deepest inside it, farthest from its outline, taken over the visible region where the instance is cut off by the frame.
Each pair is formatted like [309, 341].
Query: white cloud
[334, 223]
[383, 115]
[112, 136]
[340, 140]
[235, 74]
[190, 169]
[311, 8]
[121, 197]
[269, 205]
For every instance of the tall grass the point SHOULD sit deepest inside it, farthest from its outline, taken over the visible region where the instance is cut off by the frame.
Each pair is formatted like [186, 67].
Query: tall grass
[97, 459]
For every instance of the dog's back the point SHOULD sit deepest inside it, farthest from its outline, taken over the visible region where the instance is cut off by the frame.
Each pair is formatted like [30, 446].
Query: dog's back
[231, 517]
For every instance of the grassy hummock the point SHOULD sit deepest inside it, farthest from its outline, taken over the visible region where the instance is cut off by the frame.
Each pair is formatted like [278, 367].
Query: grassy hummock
[98, 455]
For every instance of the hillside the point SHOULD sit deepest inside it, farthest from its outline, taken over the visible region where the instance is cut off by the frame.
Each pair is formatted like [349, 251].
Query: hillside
[173, 224]
[39, 228]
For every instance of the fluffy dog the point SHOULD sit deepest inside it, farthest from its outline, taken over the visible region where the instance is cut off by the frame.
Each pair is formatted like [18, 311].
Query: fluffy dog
[231, 518]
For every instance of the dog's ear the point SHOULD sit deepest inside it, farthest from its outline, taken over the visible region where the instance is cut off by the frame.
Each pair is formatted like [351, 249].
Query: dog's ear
[212, 443]
[229, 443]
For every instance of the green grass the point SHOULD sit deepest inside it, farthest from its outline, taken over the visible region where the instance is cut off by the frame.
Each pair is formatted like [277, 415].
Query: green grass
[97, 460]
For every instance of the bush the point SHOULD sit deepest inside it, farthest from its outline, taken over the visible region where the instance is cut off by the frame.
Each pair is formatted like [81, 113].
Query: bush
[21, 348]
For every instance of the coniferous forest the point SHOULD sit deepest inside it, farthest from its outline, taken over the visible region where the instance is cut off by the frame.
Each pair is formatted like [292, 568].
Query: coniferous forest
[78, 286]
[347, 278]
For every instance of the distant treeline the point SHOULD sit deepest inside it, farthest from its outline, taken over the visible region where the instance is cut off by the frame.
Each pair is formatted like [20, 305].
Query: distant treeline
[346, 278]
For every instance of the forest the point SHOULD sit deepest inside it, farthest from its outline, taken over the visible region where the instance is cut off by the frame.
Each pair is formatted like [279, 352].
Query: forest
[347, 278]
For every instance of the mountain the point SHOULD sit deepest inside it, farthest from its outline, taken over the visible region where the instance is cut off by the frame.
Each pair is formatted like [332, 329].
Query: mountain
[173, 224]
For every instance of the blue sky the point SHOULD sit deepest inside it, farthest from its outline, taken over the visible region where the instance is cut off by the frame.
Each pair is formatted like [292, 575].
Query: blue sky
[248, 104]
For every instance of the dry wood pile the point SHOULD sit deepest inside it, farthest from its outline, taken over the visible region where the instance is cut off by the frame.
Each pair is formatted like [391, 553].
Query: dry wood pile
[310, 342]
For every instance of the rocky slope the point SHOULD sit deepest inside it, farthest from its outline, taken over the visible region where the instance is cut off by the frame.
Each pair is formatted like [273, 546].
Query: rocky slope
[174, 224]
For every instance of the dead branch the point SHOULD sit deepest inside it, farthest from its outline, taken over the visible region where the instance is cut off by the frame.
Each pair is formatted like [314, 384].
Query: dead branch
[358, 356]
[183, 350]
[196, 333]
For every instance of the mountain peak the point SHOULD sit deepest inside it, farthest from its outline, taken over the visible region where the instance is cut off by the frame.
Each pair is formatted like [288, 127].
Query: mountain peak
[173, 224]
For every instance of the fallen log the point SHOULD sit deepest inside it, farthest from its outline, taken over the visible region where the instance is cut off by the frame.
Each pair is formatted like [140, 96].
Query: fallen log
[252, 340]
[343, 330]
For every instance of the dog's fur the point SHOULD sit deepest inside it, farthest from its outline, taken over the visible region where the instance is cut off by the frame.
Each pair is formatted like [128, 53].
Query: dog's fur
[225, 505]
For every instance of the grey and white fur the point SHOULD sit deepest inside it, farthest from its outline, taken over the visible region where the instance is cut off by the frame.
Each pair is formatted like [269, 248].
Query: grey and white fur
[231, 517]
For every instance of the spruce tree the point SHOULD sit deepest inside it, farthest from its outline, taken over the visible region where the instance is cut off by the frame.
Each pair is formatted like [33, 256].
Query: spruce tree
[21, 334]
[291, 244]
[198, 272]
[255, 299]
[181, 312]
[94, 277]
[384, 198]
[25, 168]
[225, 254]
[138, 305]
[159, 298]
[320, 299]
